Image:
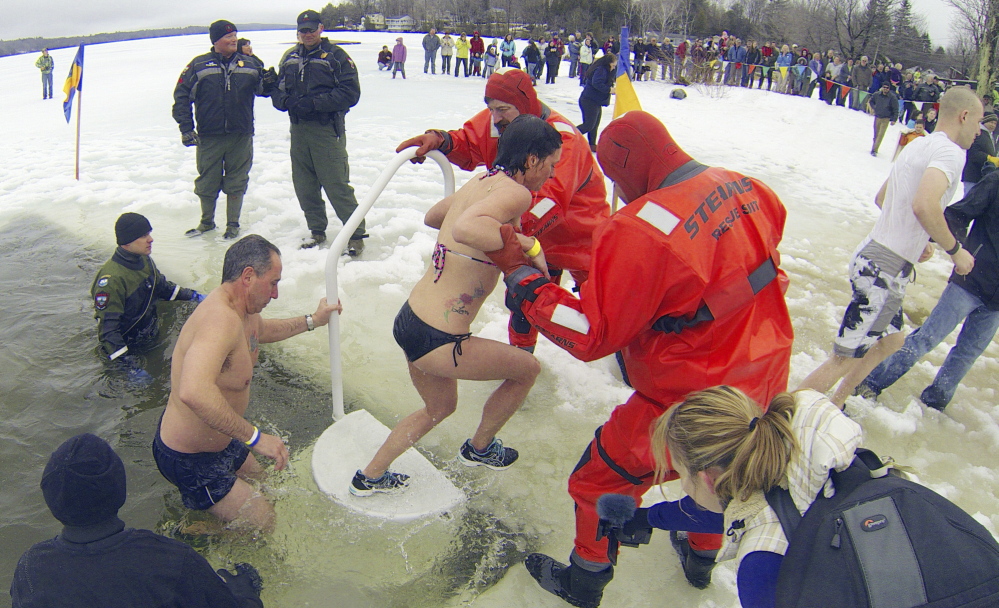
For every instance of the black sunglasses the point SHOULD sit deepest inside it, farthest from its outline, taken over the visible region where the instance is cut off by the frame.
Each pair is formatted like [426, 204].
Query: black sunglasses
[307, 30]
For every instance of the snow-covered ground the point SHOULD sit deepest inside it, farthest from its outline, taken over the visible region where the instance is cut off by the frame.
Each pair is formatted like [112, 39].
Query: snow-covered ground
[814, 156]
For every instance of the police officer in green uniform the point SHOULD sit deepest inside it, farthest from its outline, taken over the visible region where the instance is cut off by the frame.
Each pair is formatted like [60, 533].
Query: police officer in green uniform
[317, 86]
[222, 85]
[125, 292]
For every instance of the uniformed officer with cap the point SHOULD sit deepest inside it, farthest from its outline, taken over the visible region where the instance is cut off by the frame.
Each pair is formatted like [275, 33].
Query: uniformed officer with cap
[317, 86]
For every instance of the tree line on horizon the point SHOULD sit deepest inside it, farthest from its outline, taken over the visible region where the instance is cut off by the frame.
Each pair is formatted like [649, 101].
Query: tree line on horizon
[36, 44]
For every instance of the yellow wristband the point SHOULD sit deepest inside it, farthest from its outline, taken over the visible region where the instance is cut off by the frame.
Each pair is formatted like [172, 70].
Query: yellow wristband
[535, 249]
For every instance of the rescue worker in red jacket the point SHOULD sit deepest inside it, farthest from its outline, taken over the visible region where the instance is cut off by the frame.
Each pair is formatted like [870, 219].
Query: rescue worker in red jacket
[684, 282]
[566, 210]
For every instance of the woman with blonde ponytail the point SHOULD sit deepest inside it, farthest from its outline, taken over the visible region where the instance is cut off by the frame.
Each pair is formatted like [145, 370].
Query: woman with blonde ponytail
[729, 452]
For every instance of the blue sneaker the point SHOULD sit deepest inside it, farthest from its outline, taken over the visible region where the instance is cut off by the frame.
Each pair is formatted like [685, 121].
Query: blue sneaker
[496, 457]
[388, 483]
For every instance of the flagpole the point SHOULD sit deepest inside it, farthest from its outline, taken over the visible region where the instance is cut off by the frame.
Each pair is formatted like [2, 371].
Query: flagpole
[79, 110]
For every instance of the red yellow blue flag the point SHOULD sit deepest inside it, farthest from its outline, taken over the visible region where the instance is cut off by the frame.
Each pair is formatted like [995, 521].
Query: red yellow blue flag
[626, 99]
[74, 83]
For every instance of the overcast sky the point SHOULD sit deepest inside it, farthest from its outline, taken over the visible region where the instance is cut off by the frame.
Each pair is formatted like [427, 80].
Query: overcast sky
[26, 19]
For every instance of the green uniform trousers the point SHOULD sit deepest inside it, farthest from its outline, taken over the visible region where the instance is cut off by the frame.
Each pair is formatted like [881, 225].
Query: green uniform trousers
[224, 163]
[319, 159]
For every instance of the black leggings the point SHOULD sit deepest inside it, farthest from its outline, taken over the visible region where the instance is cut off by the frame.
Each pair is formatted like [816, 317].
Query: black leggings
[770, 78]
[591, 119]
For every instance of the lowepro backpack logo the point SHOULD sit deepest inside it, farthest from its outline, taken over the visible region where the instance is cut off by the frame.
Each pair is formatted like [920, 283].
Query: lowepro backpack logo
[874, 522]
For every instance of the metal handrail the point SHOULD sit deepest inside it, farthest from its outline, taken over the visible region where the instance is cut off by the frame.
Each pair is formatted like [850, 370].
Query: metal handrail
[340, 243]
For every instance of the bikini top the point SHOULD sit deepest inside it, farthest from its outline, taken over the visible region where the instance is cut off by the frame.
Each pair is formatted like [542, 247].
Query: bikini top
[441, 249]
[438, 259]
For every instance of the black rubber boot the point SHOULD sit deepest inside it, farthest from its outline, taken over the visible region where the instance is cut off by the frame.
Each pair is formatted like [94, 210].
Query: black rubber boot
[697, 568]
[579, 587]
[207, 210]
[233, 207]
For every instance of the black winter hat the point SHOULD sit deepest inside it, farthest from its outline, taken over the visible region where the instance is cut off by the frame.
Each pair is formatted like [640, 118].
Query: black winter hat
[131, 226]
[84, 481]
[219, 29]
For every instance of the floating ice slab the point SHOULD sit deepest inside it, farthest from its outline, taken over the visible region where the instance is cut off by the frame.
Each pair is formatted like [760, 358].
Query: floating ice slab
[350, 443]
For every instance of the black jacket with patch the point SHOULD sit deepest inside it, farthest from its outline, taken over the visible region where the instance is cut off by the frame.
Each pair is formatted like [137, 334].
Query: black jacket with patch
[325, 76]
[222, 92]
[125, 292]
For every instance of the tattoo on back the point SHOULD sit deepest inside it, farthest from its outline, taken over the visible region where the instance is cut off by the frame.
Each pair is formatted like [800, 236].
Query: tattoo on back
[459, 305]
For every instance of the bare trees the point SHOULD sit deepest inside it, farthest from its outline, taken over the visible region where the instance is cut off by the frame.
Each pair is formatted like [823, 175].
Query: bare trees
[861, 27]
[666, 15]
[977, 33]
[988, 50]
[972, 18]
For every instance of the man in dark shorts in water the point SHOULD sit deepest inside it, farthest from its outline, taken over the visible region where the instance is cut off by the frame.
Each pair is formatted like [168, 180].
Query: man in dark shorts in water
[203, 443]
[433, 326]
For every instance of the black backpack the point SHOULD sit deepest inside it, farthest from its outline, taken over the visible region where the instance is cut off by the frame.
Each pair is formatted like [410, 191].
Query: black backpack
[883, 542]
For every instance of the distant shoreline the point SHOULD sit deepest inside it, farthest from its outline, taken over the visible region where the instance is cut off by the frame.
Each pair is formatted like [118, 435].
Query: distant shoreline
[35, 45]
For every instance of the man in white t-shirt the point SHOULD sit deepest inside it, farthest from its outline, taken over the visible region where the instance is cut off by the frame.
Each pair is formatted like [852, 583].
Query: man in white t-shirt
[922, 182]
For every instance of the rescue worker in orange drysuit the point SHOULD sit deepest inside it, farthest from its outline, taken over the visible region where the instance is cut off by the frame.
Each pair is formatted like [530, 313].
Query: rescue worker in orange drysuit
[685, 282]
[567, 209]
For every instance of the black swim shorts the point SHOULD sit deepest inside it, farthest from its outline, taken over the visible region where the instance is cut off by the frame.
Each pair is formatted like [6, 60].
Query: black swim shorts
[204, 478]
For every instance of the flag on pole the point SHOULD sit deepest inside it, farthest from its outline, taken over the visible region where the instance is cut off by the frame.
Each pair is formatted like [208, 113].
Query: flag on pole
[74, 83]
[626, 98]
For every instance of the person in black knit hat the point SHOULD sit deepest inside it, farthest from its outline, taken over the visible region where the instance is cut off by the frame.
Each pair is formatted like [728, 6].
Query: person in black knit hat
[97, 562]
[125, 292]
[221, 85]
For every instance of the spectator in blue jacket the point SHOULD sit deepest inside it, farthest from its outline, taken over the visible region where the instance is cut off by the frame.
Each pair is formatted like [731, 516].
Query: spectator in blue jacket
[508, 49]
[573, 49]
[736, 55]
[596, 94]
[877, 78]
[784, 60]
[816, 66]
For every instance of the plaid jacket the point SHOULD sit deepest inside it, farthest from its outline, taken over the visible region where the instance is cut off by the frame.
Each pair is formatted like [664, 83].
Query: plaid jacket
[827, 439]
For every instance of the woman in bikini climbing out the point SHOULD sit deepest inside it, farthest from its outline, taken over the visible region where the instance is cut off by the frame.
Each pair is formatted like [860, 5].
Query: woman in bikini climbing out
[433, 326]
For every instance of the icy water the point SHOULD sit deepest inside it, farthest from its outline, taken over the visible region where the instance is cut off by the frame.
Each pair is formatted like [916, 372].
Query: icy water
[55, 232]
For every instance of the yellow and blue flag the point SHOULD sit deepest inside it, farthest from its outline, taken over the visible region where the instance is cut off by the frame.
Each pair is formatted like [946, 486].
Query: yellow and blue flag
[74, 83]
[626, 99]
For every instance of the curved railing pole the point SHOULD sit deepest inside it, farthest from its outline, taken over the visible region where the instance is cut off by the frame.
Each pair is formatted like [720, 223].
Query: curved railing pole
[340, 243]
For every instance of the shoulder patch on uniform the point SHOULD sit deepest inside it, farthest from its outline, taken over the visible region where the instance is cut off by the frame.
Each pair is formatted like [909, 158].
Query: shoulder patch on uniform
[101, 300]
[658, 218]
[103, 281]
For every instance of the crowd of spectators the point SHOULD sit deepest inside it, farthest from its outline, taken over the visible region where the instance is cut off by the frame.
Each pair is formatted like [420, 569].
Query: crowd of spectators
[729, 61]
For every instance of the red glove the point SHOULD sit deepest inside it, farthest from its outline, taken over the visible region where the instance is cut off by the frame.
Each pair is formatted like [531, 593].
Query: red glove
[431, 140]
[511, 255]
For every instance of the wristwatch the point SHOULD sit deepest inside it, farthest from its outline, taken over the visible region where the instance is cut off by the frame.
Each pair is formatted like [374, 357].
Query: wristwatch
[309, 323]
